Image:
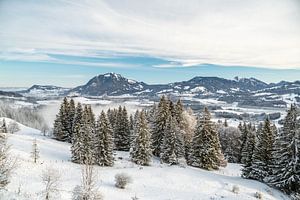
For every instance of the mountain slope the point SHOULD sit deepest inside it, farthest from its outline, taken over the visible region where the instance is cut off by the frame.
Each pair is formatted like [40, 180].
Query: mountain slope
[158, 181]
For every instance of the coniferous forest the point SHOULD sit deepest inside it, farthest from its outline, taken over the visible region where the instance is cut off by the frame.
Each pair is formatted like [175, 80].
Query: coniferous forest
[165, 132]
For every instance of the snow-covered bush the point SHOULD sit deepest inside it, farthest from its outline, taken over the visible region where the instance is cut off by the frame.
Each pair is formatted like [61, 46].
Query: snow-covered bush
[236, 189]
[13, 127]
[122, 179]
[258, 195]
[81, 194]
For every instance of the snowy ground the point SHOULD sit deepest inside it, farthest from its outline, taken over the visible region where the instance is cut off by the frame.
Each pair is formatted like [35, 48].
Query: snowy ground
[156, 182]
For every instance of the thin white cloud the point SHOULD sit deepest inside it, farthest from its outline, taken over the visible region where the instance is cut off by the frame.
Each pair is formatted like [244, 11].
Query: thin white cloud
[231, 32]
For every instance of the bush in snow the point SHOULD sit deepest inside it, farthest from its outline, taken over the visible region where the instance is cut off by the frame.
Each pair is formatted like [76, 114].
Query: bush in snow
[13, 127]
[235, 189]
[258, 195]
[122, 179]
[80, 194]
[51, 180]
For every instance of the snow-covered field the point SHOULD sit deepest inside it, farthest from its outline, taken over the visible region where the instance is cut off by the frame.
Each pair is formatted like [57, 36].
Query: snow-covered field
[156, 182]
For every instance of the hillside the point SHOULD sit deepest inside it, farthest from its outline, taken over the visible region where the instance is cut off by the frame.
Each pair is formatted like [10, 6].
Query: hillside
[158, 181]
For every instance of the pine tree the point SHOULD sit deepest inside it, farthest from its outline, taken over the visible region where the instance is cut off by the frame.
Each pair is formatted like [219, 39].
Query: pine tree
[104, 141]
[87, 133]
[122, 132]
[286, 162]
[159, 125]
[244, 131]
[247, 153]
[225, 123]
[142, 151]
[70, 118]
[61, 123]
[172, 149]
[134, 133]
[35, 153]
[6, 163]
[262, 154]
[77, 140]
[206, 152]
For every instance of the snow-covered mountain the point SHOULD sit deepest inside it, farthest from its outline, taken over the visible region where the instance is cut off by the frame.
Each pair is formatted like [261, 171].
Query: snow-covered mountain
[45, 91]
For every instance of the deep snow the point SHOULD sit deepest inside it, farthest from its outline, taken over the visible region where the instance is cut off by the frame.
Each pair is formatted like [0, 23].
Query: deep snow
[156, 182]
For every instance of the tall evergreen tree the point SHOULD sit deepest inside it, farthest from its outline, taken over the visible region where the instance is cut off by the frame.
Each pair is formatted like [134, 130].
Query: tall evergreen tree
[104, 141]
[3, 128]
[142, 152]
[122, 132]
[61, 123]
[262, 154]
[77, 140]
[71, 115]
[172, 149]
[244, 131]
[159, 125]
[247, 152]
[205, 146]
[286, 162]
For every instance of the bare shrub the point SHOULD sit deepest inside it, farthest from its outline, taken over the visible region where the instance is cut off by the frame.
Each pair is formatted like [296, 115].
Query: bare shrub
[122, 179]
[258, 195]
[51, 180]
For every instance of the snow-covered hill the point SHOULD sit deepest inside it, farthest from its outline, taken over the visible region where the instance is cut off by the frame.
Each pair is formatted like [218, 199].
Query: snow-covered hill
[158, 181]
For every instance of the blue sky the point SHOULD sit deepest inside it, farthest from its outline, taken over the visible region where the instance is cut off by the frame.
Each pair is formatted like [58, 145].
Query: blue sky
[147, 69]
[67, 42]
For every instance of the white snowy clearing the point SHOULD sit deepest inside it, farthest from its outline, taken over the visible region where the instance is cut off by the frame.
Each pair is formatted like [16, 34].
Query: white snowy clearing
[156, 182]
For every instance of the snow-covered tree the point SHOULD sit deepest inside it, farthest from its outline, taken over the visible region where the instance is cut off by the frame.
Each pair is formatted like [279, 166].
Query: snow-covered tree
[247, 152]
[206, 150]
[172, 149]
[286, 156]
[244, 129]
[262, 154]
[3, 128]
[70, 118]
[7, 164]
[77, 140]
[104, 141]
[35, 153]
[159, 125]
[61, 123]
[122, 131]
[142, 151]
[51, 181]
[13, 127]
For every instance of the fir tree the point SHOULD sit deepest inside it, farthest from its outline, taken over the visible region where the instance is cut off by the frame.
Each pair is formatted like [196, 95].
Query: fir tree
[159, 125]
[134, 133]
[172, 149]
[71, 115]
[104, 141]
[205, 146]
[262, 154]
[142, 152]
[225, 123]
[122, 132]
[35, 153]
[61, 123]
[247, 153]
[286, 162]
[77, 140]
[244, 131]
[6, 163]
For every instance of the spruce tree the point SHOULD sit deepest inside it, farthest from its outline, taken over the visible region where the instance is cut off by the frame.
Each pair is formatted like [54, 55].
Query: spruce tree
[244, 131]
[172, 149]
[122, 132]
[159, 125]
[262, 154]
[142, 151]
[286, 162]
[3, 127]
[247, 153]
[70, 119]
[61, 123]
[35, 153]
[134, 133]
[104, 141]
[77, 140]
[205, 146]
